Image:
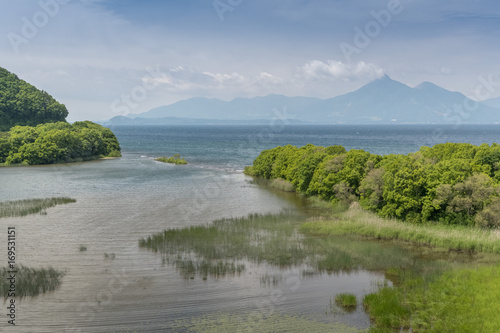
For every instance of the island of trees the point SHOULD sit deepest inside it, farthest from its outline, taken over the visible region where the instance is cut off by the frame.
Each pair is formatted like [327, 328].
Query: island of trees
[33, 129]
[450, 183]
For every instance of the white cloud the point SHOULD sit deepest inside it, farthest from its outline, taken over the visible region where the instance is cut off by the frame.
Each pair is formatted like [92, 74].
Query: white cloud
[333, 70]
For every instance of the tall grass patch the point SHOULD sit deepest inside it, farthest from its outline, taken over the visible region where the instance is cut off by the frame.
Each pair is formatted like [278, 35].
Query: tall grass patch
[30, 281]
[30, 206]
[359, 222]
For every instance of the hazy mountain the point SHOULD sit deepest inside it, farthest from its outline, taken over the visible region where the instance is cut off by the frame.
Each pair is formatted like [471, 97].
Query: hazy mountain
[381, 101]
[493, 102]
[238, 108]
[124, 121]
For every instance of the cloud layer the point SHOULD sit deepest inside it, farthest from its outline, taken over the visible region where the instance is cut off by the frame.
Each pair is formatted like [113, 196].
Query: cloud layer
[89, 53]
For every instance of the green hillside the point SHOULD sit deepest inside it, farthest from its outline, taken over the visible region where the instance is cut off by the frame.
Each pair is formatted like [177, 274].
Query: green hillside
[23, 104]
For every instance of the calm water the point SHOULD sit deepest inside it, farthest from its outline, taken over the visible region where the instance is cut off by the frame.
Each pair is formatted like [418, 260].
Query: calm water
[122, 200]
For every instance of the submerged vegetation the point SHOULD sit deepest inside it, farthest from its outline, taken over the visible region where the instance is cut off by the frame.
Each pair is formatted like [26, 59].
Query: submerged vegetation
[450, 183]
[30, 281]
[30, 206]
[176, 159]
[257, 321]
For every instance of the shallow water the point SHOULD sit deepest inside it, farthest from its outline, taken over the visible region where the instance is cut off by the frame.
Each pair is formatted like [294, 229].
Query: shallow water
[120, 201]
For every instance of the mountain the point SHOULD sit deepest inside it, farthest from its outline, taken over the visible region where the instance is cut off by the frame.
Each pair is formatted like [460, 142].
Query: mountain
[239, 108]
[381, 101]
[389, 101]
[493, 102]
[125, 121]
[23, 104]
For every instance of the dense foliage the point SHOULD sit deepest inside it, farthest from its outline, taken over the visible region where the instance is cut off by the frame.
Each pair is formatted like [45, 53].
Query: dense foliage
[452, 183]
[56, 143]
[23, 104]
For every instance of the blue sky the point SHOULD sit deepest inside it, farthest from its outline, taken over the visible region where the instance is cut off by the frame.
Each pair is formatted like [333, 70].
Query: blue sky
[104, 58]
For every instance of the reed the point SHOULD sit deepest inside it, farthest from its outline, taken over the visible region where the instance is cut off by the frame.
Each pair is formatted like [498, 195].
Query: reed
[359, 222]
[30, 281]
[346, 301]
[30, 206]
[282, 185]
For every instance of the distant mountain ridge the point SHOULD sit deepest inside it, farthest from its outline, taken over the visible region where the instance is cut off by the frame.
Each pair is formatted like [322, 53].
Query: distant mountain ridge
[381, 101]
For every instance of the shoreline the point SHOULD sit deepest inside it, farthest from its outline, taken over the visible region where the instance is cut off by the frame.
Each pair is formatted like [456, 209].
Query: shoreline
[61, 163]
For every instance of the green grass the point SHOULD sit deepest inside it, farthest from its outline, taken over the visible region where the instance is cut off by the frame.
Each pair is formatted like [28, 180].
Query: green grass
[30, 281]
[346, 301]
[176, 159]
[30, 206]
[359, 222]
[464, 300]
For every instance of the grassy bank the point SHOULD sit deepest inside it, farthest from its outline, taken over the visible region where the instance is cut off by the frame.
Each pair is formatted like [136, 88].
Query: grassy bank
[359, 222]
[30, 206]
[30, 281]
[457, 301]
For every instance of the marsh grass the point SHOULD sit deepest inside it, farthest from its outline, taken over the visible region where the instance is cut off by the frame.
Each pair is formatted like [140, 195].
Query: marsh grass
[224, 244]
[30, 281]
[346, 301]
[176, 159]
[282, 185]
[30, 206]
[359, 222]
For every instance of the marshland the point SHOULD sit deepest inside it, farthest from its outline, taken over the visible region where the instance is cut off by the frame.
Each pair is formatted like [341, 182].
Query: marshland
[205, 248]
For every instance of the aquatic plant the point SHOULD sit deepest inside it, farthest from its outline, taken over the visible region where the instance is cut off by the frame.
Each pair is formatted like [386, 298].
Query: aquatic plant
[30, 281]
[176, 159]
[282, 185]
[346, 301]
[30, 206]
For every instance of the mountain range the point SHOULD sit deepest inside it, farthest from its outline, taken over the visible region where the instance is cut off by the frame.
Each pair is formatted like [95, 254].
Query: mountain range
[382, 101]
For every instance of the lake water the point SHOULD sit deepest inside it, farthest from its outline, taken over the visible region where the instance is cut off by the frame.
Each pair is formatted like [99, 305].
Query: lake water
[120, 201]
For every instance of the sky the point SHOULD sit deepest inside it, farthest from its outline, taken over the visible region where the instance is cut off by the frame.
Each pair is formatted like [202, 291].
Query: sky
[103, 58]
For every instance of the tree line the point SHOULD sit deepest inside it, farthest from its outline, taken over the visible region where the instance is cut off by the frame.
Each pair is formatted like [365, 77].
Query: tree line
[449, 183]
[56, 143]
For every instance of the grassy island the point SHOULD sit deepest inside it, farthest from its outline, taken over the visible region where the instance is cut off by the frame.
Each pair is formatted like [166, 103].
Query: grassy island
[176, 159]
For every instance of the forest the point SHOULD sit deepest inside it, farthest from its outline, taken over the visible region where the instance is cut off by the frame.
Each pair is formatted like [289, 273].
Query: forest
[449, 183]
[23, 104]
[57, 143]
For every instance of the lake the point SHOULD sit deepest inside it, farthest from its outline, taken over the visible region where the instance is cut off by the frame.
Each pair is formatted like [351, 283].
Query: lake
[116, 286]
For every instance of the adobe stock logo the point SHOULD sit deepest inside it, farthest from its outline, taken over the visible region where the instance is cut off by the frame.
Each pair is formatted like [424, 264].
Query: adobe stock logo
[31, 27]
